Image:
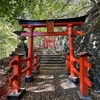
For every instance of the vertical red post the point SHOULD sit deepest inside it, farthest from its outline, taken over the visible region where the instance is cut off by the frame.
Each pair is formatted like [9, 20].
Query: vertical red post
[71, 48]
[30, 52]
[17, 73]
[46, 42]
[54, 43]
[83, 75]
[49, 42]
[67, 63]
[35, 63]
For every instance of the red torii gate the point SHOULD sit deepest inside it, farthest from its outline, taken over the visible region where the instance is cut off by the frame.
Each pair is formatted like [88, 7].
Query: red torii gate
[50, 24]
[48, 42]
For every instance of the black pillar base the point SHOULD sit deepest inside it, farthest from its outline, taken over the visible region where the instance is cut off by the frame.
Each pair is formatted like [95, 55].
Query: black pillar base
[75, 80]
[28, 79]
[67, 73]
[83, 98]
[35, 72]
[16, 96]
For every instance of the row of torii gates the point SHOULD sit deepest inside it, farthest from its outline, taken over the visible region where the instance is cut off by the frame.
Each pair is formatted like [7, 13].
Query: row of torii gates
[15, 80]
[48, 42]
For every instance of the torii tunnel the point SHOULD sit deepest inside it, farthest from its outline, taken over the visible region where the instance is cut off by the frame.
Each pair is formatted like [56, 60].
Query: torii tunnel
[50, 24]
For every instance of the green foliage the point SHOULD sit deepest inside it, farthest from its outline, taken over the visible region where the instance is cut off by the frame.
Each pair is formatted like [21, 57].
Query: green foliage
[10, 10]
[41, 9]
[13, 9]
[53, 9]
[8, 40]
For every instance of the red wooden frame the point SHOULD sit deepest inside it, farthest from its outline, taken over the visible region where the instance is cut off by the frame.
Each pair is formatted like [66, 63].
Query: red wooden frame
[83, 73]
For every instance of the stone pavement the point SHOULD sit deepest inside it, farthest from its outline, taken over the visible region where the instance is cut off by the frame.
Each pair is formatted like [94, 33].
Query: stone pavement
[50, 85]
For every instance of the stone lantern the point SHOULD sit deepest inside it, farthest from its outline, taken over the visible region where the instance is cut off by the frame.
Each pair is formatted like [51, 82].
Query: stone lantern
[22, 47]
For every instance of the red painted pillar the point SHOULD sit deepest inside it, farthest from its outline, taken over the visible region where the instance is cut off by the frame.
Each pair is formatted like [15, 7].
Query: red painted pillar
[17, 72]
[54, 43]
[83, 75]
[71, 48]
[35, 63]
[46, 42]
[67, 63]
[30, 52]
[49, 43]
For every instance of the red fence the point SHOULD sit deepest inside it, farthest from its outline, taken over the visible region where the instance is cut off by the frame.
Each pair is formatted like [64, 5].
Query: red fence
[15, 80]
[82, 73]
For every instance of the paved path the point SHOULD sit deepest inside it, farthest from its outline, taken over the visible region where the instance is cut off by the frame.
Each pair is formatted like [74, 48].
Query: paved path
[50, 85]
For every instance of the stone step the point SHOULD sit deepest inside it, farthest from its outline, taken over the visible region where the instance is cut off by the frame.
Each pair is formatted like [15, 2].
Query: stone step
[50, 59]
[52, 65]
[52, 68]
[51, 62]
[49, 55]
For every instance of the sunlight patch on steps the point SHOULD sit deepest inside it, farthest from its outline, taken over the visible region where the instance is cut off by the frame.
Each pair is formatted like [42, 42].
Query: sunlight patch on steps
[42, 87]
[67, 84]
[45, 76]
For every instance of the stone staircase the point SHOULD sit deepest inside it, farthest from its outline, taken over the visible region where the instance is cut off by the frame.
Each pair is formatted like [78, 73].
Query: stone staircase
[51, 59]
